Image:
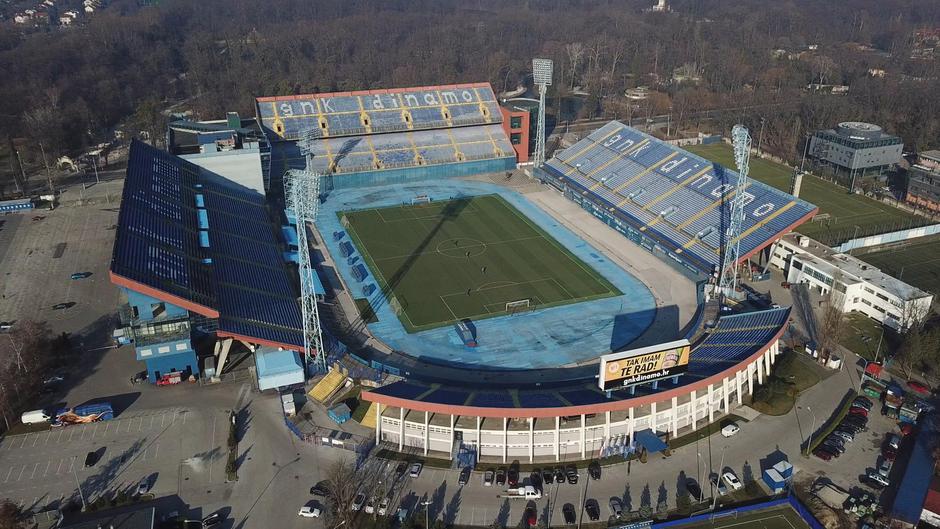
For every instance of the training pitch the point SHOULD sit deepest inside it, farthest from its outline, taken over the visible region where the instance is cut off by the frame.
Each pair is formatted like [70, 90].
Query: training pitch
[442, 262]
[916, 262]
[782, 517]
[845, 212]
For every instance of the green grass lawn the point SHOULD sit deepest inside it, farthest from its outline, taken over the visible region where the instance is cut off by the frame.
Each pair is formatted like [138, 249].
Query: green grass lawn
[846, 211]
[783, 517]
[862, 335]
[917, 262]
[458, 259]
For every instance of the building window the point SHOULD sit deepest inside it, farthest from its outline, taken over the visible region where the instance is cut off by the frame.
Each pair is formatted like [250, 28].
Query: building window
[515, 138]
[515, 122]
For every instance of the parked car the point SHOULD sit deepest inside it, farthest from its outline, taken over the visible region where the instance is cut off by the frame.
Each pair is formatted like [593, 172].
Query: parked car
[80, 275]
[54, 379]
[861, 412]
[415, 470]
[216, 518]
[893, 440]
[6, 325]
[358, 502]
[823, 454]
[531, 518]
[845, 435]
[731, 480]
[547, 477]
[320, 489]
[559, 475]
[383, 506]
[501, 476]
[307, 511]
[833, 446]
[139, 377]
[863, 402]
[568, 513]
[370, 505]
[918, 387]
[884, 467]
[889, 453]
[572, 474]
[92, 457]
[730, 429]
[616, 509]
[488, 478]
[592, 509]
[876, 479]
[143, 487]
[513, 477]
[400, 470]
[594, 470]
[718, 485]
[692, 487]
[464, 476]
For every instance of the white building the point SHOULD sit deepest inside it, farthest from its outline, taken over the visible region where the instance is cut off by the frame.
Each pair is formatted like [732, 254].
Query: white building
[859, 286]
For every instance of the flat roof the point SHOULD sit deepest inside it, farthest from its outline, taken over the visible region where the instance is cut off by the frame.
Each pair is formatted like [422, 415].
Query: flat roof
[138, 519]
[854, 270]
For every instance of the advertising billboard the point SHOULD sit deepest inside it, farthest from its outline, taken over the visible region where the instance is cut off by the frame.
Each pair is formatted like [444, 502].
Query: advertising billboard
[645, 365]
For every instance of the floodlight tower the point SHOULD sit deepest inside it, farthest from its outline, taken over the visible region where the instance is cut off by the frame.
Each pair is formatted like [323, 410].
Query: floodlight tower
[728, 280]
[302, 195]
[542, 76]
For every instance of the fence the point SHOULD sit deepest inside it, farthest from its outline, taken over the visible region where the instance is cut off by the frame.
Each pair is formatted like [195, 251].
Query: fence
[888, 238]
[709, 517]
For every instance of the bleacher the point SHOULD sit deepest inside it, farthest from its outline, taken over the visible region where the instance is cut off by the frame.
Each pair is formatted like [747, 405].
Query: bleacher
[206, 244]
[674, 198]
[392, 129]
[327, 385]
[735, 338]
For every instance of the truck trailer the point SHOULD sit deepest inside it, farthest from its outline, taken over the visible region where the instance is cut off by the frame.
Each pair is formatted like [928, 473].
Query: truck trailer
[84, 414]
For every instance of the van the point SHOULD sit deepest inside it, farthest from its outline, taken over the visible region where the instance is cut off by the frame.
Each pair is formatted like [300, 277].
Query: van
[34, 417]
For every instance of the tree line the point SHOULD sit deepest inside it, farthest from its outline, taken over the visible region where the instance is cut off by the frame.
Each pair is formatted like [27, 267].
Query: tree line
[128, 63]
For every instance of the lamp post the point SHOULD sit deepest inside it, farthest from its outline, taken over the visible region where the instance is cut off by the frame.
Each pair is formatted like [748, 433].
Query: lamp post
[721, 464]
[427, 514]
[80, 493]
[813, 429]
[760, 135]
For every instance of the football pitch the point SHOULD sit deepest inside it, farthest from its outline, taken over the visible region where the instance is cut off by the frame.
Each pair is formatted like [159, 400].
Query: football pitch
[916, 262]
[846, 212]
[782, 517]
[441, 262]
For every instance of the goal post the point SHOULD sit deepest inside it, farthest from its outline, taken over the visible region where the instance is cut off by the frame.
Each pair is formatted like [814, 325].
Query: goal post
[421, 199]
[394, 304]
[520, 305]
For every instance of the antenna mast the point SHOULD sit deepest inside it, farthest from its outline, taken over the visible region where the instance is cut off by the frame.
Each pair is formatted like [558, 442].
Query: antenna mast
[728, 280]
[542, 76]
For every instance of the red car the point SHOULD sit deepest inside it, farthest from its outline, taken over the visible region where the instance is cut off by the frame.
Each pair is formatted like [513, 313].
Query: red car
[889, 453]
[906, 429]
[918, 387]
[530, 517]
[858, 411]
[822, 454]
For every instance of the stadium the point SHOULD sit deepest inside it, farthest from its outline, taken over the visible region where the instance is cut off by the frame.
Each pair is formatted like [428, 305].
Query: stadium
[546, 314]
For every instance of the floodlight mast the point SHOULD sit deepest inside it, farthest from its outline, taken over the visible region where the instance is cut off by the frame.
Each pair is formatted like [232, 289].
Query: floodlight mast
[542, 76]
[302, 195]
[728, 278]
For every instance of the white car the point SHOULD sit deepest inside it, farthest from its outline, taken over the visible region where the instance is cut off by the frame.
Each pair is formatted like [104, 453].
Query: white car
[488, 478]
[358, 502]
[370, 505]
[143, 488]
[383, 507]
[731, 480]
[308, 511]
[730, 429]
[415, 470]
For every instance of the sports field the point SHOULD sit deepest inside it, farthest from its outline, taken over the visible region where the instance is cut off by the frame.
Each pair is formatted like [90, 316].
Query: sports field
[846, 212]
[782, 517]
[466, 259]
[916, 262]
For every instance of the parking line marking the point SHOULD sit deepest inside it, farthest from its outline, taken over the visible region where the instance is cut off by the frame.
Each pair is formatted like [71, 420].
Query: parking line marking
[152, 417]
[184, 417]
[71, 433]
[59, 468]
[36, 466]
[141, 425]
[71, 463]
[8, 475]
[25, 437]
[94, 430]
[21, 473]
[35, 440]
[82, 436]
[47, 436]
[48, 463]
[162, 418]
[107, 425]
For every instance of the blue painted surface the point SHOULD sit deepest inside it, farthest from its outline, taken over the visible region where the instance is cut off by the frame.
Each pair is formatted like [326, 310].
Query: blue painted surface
[543, 338]
[145, 305]
[161, 365]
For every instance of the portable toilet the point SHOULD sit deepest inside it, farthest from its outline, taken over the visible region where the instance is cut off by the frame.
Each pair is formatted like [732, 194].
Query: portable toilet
[774, 481]
[784, 468]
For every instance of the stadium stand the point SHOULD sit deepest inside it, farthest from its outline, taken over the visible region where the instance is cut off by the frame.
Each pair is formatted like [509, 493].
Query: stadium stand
[327, 385]
[387, 130]
[188, 237]
[733, 340]
[668, 197]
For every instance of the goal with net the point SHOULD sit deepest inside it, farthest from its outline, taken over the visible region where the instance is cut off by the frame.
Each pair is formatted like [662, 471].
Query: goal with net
[520, 305]
[421, 199]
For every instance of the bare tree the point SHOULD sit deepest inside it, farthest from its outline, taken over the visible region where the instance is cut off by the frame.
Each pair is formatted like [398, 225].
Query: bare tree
[575, 52]
[342, 483]
[11, 516]
[832, 324]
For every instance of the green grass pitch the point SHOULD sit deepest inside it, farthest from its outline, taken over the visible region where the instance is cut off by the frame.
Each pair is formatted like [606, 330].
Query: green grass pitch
[916, 262]
[847, 211]
[466, 258]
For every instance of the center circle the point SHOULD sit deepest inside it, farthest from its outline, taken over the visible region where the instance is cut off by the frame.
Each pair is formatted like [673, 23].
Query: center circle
[461, 248]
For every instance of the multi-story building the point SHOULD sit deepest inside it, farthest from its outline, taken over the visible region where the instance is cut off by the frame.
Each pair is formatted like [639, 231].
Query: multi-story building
[858, 285]
[856, 149]
[517, 122]
[923, 187]
[161, 333]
